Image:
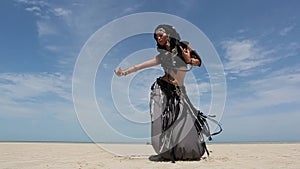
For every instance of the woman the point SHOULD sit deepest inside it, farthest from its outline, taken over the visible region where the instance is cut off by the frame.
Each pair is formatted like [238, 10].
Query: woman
[178, 128]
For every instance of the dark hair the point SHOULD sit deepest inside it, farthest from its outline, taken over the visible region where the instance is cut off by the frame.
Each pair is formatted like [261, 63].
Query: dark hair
[171, 32]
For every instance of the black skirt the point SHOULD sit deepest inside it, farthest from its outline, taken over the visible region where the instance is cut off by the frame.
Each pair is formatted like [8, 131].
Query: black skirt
[178, 128]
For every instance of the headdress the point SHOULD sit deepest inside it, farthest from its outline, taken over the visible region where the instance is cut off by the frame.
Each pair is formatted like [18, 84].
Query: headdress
[168, 29]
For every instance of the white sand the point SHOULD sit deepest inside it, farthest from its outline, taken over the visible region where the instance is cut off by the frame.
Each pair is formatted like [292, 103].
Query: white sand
[135, 156]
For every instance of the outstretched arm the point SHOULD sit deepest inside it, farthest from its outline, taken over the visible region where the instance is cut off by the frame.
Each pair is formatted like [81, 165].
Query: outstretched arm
[146, 64]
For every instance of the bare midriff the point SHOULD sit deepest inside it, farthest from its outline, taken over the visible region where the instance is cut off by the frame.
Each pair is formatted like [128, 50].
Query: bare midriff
[177, 78]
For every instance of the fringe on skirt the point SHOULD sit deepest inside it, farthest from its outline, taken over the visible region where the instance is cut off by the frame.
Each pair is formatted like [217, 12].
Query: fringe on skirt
[178, 128]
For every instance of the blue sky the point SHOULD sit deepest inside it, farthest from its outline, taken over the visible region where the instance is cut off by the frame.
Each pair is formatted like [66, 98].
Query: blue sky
[257, 42]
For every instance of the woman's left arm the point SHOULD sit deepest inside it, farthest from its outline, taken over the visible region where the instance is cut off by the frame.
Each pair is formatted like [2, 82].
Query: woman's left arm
[149, 63]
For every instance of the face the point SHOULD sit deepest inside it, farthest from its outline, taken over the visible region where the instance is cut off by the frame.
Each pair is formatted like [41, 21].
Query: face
[161, 38]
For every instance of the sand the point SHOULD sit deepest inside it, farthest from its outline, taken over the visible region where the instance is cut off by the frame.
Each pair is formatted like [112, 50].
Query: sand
[20, 155]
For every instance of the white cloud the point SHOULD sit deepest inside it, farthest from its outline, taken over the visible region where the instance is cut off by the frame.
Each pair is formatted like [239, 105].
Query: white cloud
[65, 27]
[44, 28]
[131, 9]
[38, 7]
[33, 2]
[195, 90]
[286, 30]
[242, 30]
[277, 89]
[34, 95]
[28, 87]
[83, 19]
[244, 55]
[33, 9]
[284, 87]
[49, 22]
[185, 6]
[61, 12]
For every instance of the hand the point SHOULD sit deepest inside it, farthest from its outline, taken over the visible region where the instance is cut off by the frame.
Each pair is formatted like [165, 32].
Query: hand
[186, 53]
[119, 72]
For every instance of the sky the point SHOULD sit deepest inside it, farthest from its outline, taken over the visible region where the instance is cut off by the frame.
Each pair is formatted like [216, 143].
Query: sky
[56, 86]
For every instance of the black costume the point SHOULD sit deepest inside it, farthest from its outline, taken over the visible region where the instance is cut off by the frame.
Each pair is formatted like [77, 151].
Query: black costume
[178, 128]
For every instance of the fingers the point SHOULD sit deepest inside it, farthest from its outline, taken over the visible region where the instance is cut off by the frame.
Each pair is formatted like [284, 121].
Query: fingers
[118, 72]
[181, 48]
[185, 50]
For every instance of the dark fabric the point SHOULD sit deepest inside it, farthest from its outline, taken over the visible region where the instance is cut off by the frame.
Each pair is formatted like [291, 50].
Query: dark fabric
[176, 131]
[173, 60]
[193, 53]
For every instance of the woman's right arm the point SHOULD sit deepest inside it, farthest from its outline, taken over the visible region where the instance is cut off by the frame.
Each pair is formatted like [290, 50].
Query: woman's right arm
[146, 64]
